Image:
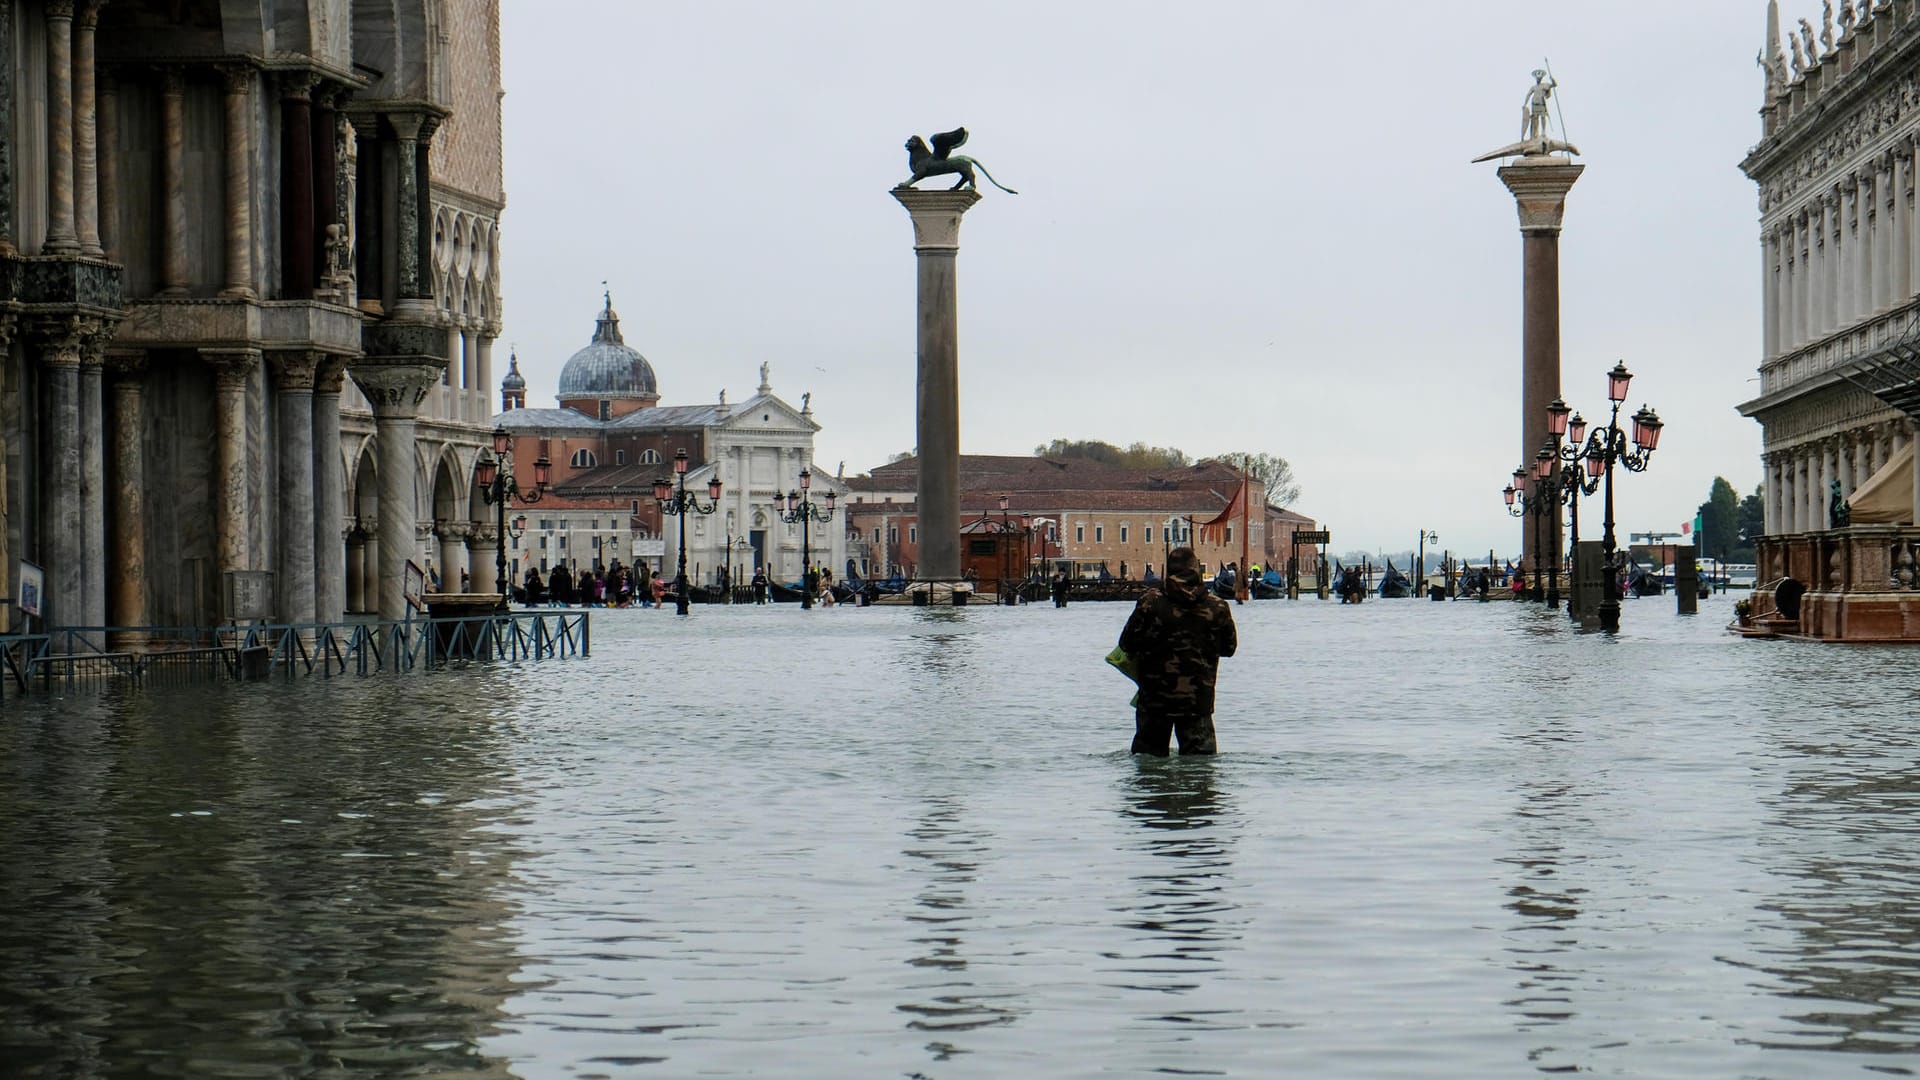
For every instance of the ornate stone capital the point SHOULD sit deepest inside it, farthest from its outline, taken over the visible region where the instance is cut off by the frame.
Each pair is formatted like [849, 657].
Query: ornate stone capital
[231, 367]
[394, 390]
[454, 530]
[294, 370]
[484, 535]
[237, 78]
[62, 339]
[297, 85]
[127, 365]
[173, 80]
[1540, 192]
[330, 374]
[936, 216]
[7, 323]
[87, 14]
[59, 9]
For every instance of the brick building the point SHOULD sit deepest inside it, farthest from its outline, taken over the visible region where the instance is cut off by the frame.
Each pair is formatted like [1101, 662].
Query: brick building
[1079, 514]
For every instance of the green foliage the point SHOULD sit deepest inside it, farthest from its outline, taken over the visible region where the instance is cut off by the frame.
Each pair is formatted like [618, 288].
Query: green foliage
[1752, 523]
[1137, 456]
[1720, 524]
[1272, 470]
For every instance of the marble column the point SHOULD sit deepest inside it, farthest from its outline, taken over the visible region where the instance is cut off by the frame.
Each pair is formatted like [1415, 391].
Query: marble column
[1539, 186]
[370, 569]
[232, 368]
[1769, 310]
[395, 390]
[294, 583]
[6, 202]
[483, 359]
[356, 553]
[93, 481]
[329, 494]
[406, 238]
[1830, 262]
[1843, 466]
[453, 553]
[297, 262]
[1804, 226]
[61, 237]
[175, 280]
[936, 244]
[1769, 494]
[239, 182]
[1862, 304]
[107, 123]
[59, 341]
[483, 557]
[469, 366]
[369, 225]
[1900, 215]
[326, 178]
[86, 150]
[1883, 228]
[128, 580]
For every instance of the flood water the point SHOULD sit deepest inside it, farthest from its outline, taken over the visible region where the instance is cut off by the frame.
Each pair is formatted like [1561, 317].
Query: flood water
[1442, 840]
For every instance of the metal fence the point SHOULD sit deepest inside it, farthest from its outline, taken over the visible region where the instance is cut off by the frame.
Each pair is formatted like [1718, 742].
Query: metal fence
[90, 656]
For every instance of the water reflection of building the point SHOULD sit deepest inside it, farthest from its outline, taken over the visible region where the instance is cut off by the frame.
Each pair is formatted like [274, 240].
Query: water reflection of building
[248, 294]
[610, 439]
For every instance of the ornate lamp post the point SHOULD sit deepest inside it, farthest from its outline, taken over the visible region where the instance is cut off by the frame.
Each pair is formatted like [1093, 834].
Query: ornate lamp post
[498, 486]
[1427, 536]
[680, 503]
[1569, 458]
[1526, 496]
[1609, 444]
[798, 506]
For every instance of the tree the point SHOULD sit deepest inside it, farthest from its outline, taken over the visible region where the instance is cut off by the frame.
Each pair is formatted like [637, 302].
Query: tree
[1282, 489]
[1720, 522]
[1752, 523]
[1137, 456]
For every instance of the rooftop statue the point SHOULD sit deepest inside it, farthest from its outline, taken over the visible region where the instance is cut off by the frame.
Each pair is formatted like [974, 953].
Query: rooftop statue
[1536, 136]
[941, 160]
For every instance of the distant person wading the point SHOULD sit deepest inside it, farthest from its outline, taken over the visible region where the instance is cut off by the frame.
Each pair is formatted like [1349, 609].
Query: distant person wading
[1175, 639]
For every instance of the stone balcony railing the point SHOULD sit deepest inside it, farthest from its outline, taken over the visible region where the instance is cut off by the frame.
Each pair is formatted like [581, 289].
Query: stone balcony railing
[1862, 582]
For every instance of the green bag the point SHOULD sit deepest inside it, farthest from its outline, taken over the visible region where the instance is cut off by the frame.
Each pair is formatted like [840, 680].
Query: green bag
[1124, 665]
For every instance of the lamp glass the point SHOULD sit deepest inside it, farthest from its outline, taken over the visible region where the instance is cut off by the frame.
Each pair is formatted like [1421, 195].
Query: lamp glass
[1617, 380]
[806, 480]
[1557, 417]
[680, 461]
[542, 472]
[501, 440]
[486, 471]
[1577, 429]
[713, 489]
[662, 489]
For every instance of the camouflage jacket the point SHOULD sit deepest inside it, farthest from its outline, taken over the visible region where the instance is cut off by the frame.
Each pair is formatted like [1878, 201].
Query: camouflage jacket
[1175, 638]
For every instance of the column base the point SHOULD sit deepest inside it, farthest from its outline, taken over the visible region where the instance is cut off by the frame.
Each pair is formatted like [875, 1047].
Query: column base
[236, 292]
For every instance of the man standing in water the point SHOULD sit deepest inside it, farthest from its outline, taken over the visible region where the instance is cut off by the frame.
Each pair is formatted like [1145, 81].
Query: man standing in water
[1175, 639]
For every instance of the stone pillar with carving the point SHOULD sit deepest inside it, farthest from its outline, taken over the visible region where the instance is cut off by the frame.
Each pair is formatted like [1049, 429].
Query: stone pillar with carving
[456, 577]
[936, 244]
[107, 136]
[86, 148]
[370, 567]
[325, 155]
[395, 390]
[239, 175]
[297, 260]
[330, 571]
[483, 558]
[61, 238]
[1539, 185]
[175, 279]
[406, 234]
[483, 354]
[294, 581]
[59, 341]
[232, 368]
[93, 480]
[128, 580]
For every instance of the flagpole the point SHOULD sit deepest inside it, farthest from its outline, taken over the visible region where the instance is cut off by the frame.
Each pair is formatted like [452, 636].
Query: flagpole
[1241, 586]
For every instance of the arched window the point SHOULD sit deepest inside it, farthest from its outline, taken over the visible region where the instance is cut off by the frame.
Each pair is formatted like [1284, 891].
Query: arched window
[584, 459]
[649, 457]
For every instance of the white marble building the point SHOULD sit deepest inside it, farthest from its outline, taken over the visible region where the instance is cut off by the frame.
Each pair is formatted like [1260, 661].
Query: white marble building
[1840, 249]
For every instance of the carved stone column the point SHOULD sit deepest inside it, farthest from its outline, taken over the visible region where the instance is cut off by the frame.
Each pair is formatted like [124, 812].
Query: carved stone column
[1769, 295]
[453, 556]
[297, 263]
[1883, 234]
[6, 208]
[482, 558]
[356, 553]
[294, 583]
[326, 178]
[93, 480]
[936, 244]
[370, 568]
[86, 150]
[395, 390]
[331, 583]
[175, 280]
[1769, 494]
[370, 228]
[484, 358]
[406, 238]
[61, 238]
[231, 370]
[239, 157]
[128, 606]
[59, 340]
[107, 123]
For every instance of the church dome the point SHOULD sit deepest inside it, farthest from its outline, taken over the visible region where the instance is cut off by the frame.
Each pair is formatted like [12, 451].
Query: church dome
[607, 368]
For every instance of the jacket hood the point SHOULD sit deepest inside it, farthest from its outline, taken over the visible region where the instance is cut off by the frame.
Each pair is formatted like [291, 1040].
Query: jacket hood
[1183, 584]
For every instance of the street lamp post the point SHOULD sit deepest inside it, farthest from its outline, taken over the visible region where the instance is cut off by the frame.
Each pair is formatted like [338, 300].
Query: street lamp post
[798, 506]
[1571, 484]
[1420, 564]
[680, 503]
[1525, 498]
[494, 476]
[1609, 444]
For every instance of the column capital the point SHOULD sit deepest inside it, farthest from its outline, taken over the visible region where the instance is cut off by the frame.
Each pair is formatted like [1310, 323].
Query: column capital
[394, 390]
[63, 338]
[329, 375]
[455, 530]
[237, 79]
[297, 85]
[59, 9]
[87, 14]
[8, 321]
[483, 534]
[294, 369]
[127, 365]
[173, 79]
[936, 216]
[1540, 191]
[231, 366]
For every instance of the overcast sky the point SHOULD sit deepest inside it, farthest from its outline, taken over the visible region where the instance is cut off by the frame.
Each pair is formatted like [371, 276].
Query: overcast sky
[1241, 226]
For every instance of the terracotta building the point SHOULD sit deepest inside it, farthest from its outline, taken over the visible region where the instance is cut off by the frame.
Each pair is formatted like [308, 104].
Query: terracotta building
[1077, 514]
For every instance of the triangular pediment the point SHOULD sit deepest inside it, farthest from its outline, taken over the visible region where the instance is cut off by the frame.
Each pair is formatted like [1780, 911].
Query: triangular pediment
[767, 412]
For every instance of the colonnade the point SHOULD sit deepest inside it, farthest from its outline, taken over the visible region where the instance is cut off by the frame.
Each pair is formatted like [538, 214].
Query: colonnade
[1848, 252]
[1798, 488]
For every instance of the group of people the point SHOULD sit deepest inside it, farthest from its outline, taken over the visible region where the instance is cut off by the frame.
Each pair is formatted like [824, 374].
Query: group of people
[612, 586]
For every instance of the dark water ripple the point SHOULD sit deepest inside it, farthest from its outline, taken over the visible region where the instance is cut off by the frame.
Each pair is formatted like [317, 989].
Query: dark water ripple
[1445, 840]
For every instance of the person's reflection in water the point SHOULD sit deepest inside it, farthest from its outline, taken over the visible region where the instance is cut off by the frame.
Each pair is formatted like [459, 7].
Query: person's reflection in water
[948, 850]
[1184, 909]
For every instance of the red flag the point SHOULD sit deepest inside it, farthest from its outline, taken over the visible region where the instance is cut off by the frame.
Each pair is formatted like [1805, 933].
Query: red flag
[1215, 530]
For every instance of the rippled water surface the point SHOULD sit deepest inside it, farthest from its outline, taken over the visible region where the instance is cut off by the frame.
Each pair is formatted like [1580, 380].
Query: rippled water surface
[1443, 840]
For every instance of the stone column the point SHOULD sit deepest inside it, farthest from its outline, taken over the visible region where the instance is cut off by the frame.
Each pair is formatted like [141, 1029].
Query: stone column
[370, 568]
[231, 370]
[370, 232]
[483, 557]
[1830, 264]
[406, 239]
[129, 563]
[239, 223]
[61, 238]
[936, 244]
[1769, 494]
[297, 262]
[107, 121]
[1769, 295]
[469, 366]
[329, 495]
[1861, 304]
[6, 209]
[1883, 294]
[93, 481]
[356, 551]
[1900, 240]
[59, 340]
[1843, 465]
[484, 360]
[453, 553]
[294, 583]
[86, 150]
[174, 277]
[326, 177]
[395, 391]
[1804, 226]
[1539, 186]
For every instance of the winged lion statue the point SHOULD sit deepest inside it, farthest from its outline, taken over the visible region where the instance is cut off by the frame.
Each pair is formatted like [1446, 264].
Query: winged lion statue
[941, 160]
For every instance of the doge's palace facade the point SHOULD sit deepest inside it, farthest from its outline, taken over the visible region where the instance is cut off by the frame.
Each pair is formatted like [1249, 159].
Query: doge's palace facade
[1839, 244]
